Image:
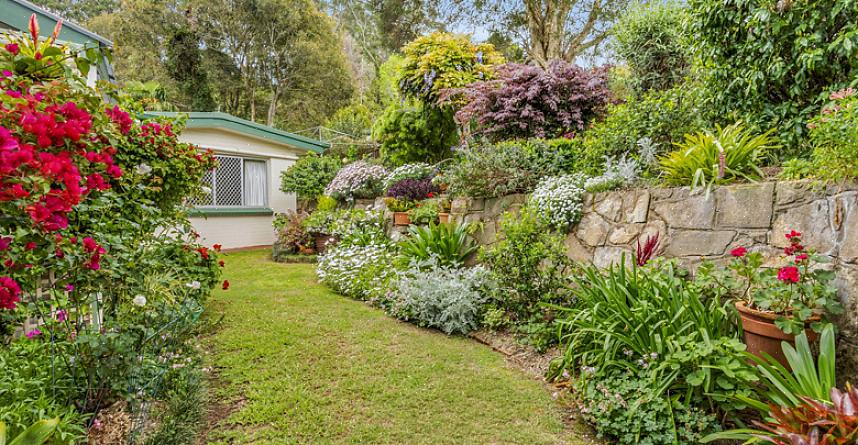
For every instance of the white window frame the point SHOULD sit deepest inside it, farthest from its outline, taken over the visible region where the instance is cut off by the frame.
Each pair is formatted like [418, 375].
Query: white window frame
[213, 187]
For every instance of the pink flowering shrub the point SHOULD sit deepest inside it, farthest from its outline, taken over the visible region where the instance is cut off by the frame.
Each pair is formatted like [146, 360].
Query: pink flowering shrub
[87, 190]
[525, 101]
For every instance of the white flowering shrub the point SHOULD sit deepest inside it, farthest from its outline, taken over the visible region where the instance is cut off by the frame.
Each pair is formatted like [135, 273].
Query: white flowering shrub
[418, 170]
[442, 297]
[558, 200]
[619, 173]
[357, 180]
[358, 271]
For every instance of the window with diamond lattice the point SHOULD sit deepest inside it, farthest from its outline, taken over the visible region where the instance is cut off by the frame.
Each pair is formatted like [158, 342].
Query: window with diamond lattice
[236, 182]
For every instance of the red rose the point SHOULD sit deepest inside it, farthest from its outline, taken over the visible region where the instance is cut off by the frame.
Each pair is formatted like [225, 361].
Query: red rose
[739, 252]
[793, 234]
[225, 284]
[221, 263]
[9, 293]
[788, 274]
[217, 247]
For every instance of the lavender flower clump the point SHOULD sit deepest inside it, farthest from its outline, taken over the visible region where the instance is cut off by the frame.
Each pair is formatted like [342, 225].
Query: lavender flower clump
[357, 180]
[558, 200]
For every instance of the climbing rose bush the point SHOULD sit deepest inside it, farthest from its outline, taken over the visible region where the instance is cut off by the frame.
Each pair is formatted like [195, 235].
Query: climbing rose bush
[87, 191]
[526, 101]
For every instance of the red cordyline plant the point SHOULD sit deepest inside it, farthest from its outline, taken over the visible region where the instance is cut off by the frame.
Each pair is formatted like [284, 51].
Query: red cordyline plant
[814, 422]
[645, 253]
[525, 101]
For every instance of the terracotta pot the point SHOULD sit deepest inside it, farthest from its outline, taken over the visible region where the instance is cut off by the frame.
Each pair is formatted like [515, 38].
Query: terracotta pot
[401, 219]
[322, 241]
[443, 218]
[761, 334]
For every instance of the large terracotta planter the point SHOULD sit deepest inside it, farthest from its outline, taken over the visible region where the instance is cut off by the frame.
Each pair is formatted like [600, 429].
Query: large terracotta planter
[401, 219]
[761, 334]
[323, 241]
[443, 218]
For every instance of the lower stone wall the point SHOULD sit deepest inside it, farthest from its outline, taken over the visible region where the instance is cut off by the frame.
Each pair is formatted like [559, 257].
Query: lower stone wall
[697, 226]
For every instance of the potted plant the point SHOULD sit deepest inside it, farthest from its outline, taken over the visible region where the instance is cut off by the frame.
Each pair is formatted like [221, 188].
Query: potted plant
[319, 224]
[777, 303]
[400, 209]
[424, 213]
[444, 213]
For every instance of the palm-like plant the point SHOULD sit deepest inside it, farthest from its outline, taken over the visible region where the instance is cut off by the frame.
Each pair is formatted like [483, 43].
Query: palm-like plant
[719, 157]
[804, 378]
[450, 243]
[36, 434]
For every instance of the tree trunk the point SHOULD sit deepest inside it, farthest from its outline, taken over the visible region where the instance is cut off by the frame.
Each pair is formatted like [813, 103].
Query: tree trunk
[272, 107]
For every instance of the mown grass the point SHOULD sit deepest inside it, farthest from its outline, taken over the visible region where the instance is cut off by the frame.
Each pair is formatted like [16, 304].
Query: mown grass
[296, 363]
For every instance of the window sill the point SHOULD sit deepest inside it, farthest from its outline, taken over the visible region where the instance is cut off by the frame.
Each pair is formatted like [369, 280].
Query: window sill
[230, 211]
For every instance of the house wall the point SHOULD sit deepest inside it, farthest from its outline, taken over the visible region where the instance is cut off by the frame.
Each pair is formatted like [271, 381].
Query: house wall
[235, 231]
[694, 227]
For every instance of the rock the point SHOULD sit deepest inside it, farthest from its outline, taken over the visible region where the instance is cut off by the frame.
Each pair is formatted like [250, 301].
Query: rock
[694, 212]
[496, 206]
[790, 192]
[813, 220]
[745, 206]
[849, 243]
[461, 205]
[489, 233]
[577, 251]
[625, 233]
[604, 257]
[611, 207]
[699, 242]
[592, 230]
[659, 194]
[638, 213]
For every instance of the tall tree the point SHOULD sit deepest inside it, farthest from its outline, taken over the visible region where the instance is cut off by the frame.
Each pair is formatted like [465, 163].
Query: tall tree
[79, 10]
[551, 29]
[289, 59]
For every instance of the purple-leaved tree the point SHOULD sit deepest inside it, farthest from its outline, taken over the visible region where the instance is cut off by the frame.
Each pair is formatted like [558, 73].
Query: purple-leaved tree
[525, 101]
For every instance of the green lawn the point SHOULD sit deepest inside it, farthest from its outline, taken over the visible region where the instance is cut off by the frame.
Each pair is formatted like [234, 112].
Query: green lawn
[296, 363]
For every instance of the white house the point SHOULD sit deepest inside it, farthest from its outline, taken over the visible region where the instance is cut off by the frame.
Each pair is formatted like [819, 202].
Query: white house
[245, 188]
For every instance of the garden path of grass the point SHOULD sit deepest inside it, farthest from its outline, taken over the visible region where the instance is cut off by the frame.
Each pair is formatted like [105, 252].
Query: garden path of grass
[296, 363]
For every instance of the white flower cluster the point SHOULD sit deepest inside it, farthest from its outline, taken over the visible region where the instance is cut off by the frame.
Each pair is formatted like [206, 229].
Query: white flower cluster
[441, 297]
[408, 171]
[358, 179]
[617, 174]
[558, 200]
[357, 271]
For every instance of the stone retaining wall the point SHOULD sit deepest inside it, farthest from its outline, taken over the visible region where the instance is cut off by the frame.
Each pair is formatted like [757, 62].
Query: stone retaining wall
[695, 227]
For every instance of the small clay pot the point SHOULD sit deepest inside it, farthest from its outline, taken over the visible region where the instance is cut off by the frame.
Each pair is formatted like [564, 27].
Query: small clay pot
[762, 335]
[401, 219]
[443, 218]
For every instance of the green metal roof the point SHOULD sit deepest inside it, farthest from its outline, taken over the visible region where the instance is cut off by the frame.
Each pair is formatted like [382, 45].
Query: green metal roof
[16, 14]
[199, 119]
